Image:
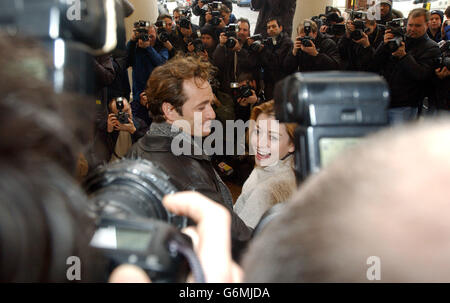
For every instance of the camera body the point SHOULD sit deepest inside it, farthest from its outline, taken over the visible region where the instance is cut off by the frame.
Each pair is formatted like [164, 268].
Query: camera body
[333, 110]
[231, 32]
[185, 22]
[121, 115]
[161, 31]
[146, 243]
[198, 45]
[359, 29]
[244, 91]
[444, 59]
[306, 41]
[398, 29]
[215, 21]
[259, 41]
[141, 28]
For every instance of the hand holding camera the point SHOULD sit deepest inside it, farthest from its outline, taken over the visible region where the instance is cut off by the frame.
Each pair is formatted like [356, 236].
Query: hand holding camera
[246, 96]
[400, 52]
[364, 41]
[307, 46]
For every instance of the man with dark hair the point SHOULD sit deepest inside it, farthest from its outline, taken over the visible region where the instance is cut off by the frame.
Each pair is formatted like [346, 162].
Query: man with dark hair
[283, 9]
[173, 44]
[180, 99]
[270, 55]
[231, 61]
[409, 67]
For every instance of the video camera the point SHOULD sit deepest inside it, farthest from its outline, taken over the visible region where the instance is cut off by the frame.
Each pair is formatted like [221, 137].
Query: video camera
[333, 110]
[231, 32]
[398, 29]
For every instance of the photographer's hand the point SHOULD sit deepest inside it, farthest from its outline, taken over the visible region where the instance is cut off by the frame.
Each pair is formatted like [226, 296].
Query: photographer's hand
[401, 52]
[212, 238]
[364, 41]
[112, 123]
[144, 44]
[311, 50]
[223, 39]
[190, 47]
[388, 36]
[129, 127]
[323, 29]
[208, 17]
[168, 45]
[297, 46]
[442, 72]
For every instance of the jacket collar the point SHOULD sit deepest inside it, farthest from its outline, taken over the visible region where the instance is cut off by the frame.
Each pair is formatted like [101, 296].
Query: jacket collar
[161, 136]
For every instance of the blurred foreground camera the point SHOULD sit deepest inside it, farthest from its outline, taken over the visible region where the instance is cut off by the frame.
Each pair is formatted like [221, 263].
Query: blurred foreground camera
[134, 226]
[333, 110]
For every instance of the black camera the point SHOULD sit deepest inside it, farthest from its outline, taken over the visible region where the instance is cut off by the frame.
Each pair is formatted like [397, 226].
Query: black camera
[318, 21]
[398, 29]
[121, 116]
[186, 12]
[333, 110]
[134, 226]
[185, 22]
[161, 31]
[231, 32]
[198, 45]
[357, 15]
[306, 41]
[216, 18]
[141, 23]
[444, 59]
[244, 91]
[359, 29]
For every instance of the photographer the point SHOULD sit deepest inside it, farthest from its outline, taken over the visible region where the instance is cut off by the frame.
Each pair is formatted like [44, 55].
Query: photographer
[334, 27]
[407, 66]
[201, 9]
[387, 12]
[248, 96]
[311, 51]
[356, 54]
[271, 53]
[189, 32]
[209, 40]
[123, 129]
[231, 57]
[145, 53]
[167, 34]
[226, 18]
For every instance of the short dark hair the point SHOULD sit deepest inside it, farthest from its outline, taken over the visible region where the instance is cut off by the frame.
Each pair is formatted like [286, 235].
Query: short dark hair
[447, 12]
[166, 83]
[164, 16]
[273, 18]
[245, 20]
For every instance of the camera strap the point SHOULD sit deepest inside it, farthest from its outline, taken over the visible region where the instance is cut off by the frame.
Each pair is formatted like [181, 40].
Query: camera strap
[235, 66]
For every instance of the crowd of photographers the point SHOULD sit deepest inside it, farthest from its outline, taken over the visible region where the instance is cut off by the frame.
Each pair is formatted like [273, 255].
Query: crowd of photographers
[135, 122]
[412, 54]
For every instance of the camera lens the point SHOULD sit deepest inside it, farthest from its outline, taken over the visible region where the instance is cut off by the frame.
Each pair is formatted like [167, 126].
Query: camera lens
[132, 188]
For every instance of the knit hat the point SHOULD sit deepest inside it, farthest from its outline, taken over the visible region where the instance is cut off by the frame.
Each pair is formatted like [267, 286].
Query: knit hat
[438, 12]
[389, 2]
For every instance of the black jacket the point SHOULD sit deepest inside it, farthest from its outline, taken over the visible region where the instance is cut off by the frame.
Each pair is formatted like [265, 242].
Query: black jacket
[407, 77]
[283, 9]
[224, 60]
[327, 59]
[271, 60]
[190, 172]
[354, 56]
